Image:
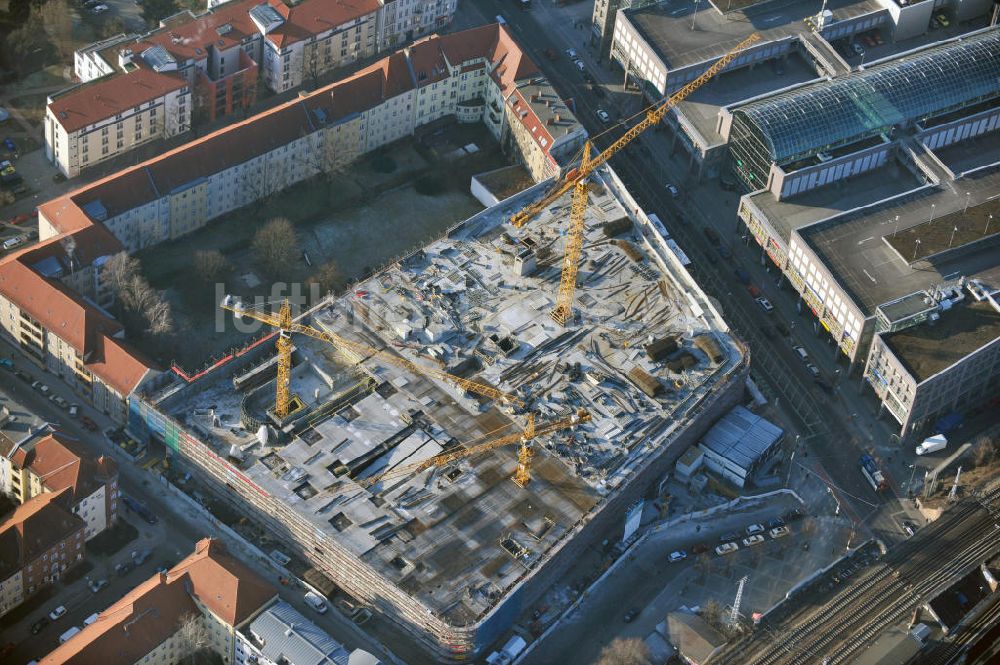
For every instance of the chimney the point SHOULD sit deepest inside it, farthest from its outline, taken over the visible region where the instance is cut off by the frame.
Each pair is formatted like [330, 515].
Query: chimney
[548, 103]
[558, 118]
[550, 121]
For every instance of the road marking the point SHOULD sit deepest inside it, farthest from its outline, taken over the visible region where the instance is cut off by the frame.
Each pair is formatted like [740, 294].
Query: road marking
[861, 242]
[868, 275]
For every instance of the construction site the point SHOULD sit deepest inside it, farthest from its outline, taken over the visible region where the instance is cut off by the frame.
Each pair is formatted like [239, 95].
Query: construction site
[443, 440]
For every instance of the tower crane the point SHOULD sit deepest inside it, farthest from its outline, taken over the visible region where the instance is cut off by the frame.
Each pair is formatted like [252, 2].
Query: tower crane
[521, 477]
[286, 326]
[576, 179]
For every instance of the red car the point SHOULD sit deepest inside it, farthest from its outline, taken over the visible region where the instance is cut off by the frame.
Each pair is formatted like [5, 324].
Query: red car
[22, 218]
[88, 423]
[754, 291]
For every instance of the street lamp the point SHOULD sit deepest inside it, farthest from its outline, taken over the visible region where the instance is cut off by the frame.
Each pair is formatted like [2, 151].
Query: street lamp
[916, 246]
[694, 15]
[988, 220]
[932, 213]
[966, 209]
[909, 483]
[895, 226]
[953, 230]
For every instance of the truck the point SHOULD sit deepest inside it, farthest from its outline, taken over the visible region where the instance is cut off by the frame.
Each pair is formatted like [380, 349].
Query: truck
[871, 472]
[932, 444]
[511, 650]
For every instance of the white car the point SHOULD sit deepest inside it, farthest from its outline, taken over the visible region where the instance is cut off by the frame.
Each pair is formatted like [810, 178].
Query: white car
[57, 613]
[779, 532]
[679, 555]
[316, 602]
[579, 65]
[765, 304]
[801, 353]
[603, 116]
[754, 529]
[674, 192]
[726, 548]
[753, 540]
[97, 585]
[571, 53]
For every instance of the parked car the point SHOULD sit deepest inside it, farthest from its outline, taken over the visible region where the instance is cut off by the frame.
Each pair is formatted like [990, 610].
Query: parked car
[21, 374]
[726, 537]
[812, 369]
[793, 515]
[631, 615]
[579, 65]
[603, 116]
[801, 353]
[753, 540]
[598, 91]
[9, 145]
[779, 532]
[57, 613]
[89, 423]
[711, 234]
[99, 9]
[674, 192]
[97, 585]
[765, 304]
[316, 602]
[39, 625]
[775, 523]
[91, 619]
[679, 555]
[699, 548]
[571, 54]
[726, 548]
[123, 568]
[742, 275]
[60, 402]
[723, 251]
[754, 529]
[943, 20]
[74, 410]
[139, 558]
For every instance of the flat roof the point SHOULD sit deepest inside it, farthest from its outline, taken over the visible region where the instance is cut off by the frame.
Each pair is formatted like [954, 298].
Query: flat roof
[934, 345]
[853, 249]
[701, 108]
[801, 210]
[949, 232]
[458, 537]
[667, 27]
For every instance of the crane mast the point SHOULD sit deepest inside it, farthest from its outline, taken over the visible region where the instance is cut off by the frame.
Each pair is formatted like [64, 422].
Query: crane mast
[523, 474]
[576, 180]
[286, 326]
[653, 116]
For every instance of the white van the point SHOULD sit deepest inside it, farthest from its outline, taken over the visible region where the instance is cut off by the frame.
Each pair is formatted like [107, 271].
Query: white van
[16, 241]
[68, 635]
[91, 619]
[316, 602]
[501, 20]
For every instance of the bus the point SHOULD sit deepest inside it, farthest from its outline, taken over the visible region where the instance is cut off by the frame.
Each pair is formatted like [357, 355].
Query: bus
[871, 473]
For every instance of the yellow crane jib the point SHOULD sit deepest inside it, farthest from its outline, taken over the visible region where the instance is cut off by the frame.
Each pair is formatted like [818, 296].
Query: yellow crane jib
[521, 476]
[286, 326]
[653, 116]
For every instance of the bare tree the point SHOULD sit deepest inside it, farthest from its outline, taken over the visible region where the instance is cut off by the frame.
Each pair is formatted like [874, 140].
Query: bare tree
[329, 277]
[195, 641]
[275, 246]
[625, 651]
[6, 198]
[711, 612]
[211, 266]
[986, 450]
[143, 309]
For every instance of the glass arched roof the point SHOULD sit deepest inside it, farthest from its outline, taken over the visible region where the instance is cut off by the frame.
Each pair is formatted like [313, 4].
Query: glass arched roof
[865, 103]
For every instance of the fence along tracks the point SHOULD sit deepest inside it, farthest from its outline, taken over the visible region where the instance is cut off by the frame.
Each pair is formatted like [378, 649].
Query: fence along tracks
[964, 536]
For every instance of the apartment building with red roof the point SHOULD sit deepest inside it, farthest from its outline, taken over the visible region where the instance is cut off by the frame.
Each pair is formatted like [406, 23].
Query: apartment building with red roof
[47, 461]
[53, 296]
[209, 588]
[138, 88]
[39, 541]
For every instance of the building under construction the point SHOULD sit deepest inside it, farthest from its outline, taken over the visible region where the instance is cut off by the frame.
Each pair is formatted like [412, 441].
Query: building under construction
[452, 551]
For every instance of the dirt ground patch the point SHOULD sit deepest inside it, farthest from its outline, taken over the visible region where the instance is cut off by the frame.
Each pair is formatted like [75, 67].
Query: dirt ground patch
[360, 221]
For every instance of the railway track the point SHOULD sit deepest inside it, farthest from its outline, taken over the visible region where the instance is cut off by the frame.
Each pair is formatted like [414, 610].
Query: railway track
[849, 621]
